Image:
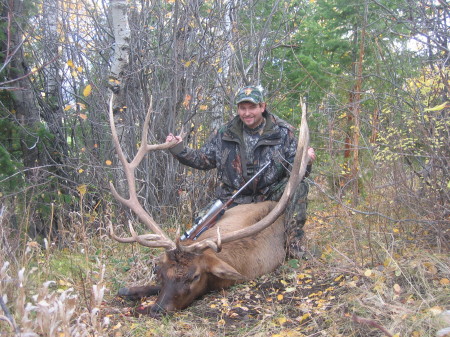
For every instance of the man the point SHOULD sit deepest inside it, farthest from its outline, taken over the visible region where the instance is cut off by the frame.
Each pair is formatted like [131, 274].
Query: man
[241, 147]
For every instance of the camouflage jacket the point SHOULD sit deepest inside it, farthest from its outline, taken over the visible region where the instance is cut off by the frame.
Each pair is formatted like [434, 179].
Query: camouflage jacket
[225, 151]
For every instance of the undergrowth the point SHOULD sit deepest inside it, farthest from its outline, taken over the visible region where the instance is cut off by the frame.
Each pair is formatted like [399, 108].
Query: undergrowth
[361, 276]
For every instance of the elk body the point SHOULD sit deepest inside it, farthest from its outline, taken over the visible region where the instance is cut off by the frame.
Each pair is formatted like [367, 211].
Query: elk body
[247, 241]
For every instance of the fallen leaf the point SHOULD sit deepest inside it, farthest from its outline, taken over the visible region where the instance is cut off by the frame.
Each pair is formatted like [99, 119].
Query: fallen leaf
[301, 319]
[337, 279]
[282, 320]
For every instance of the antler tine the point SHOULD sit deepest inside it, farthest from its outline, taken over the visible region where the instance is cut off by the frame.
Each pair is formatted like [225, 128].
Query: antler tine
[147, 240]
[198, 247]
[297, 173]
[159, 238]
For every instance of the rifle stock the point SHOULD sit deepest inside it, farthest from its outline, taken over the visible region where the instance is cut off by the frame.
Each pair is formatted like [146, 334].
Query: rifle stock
[211, 221]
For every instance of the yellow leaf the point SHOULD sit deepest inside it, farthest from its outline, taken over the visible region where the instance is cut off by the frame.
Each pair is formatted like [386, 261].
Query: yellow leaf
[68, 107]
[279, 297]
[187, 100]
[368, 273]
[301, 319]
[64, 283]
[80, 171]
[438, 107]
[431, 268]
[203, 107]
[33, 244]
[436, 310]
[338, 278]
[82, 189]
[108, 162]
[444, 281]
[80, 69]
[83, 116]
[281, 320]
[87, 90]
[117, 326]
[70, 63]
[187, 64]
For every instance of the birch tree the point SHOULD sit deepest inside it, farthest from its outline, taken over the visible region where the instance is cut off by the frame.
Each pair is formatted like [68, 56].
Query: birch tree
[121, 56]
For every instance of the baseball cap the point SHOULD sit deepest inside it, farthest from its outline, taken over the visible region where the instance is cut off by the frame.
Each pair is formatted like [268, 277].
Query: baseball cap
[250, 93]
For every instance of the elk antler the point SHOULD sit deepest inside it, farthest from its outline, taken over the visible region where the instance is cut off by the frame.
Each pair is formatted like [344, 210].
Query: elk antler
[158, 238]
[297, 173]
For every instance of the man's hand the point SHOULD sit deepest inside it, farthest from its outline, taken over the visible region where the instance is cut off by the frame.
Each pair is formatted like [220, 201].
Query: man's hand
[311, 155]
[171, 138]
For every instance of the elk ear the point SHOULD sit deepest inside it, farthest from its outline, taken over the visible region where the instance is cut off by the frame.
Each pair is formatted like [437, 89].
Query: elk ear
[223, 270]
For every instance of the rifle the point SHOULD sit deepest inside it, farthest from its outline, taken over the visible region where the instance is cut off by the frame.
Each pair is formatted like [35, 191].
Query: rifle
[209, 219]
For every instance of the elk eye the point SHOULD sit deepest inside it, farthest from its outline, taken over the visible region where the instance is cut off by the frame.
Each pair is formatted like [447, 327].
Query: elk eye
[195, 278]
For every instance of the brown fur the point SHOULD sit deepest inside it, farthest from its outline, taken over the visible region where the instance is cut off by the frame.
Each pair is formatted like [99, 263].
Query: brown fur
[252, 256]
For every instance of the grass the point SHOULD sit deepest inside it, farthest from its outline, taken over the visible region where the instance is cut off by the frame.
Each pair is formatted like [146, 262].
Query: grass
[363, 276]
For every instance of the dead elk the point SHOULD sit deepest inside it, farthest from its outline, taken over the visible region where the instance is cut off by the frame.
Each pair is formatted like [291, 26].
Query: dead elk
[246, 243]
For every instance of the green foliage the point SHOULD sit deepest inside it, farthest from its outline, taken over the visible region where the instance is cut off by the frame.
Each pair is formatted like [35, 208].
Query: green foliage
[10, 154]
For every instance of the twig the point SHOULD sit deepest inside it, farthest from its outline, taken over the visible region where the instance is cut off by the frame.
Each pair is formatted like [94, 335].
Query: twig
[7, 317]
[371, 323]
[31, 72]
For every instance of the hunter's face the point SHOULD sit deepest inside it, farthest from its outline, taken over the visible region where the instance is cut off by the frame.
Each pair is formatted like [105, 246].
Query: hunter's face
[251, 113]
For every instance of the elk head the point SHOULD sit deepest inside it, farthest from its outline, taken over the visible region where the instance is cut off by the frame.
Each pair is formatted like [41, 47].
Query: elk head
[189, 270]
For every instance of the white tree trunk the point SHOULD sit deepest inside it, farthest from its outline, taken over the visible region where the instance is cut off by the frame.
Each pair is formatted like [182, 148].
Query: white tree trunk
[218, 97]
[50, 15]
[122, 34]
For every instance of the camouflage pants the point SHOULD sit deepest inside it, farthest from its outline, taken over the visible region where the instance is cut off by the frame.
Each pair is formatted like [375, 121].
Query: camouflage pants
[295, 217]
